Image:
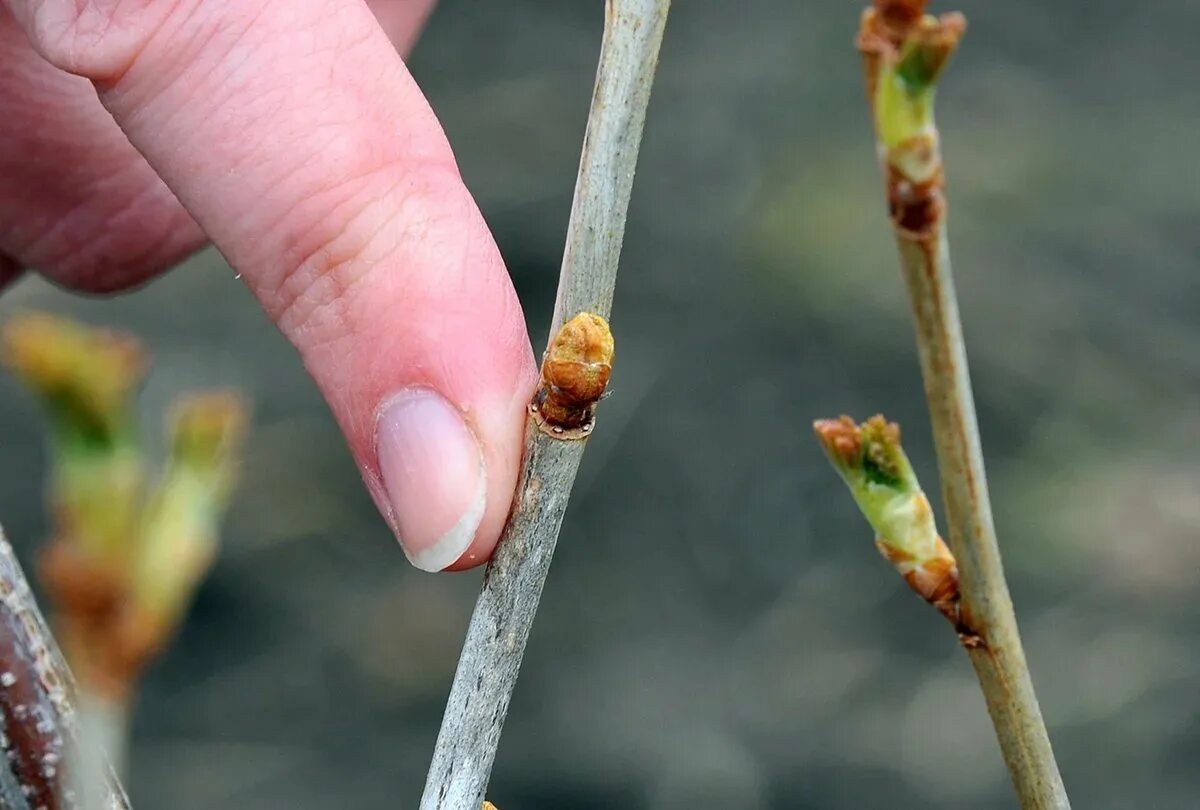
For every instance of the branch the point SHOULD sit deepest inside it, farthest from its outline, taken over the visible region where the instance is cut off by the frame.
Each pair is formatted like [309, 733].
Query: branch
[121, 568]
[574, 373]
[45, 761]
[905, 51]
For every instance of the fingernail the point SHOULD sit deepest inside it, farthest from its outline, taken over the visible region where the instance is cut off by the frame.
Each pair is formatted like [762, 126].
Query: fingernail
[433, 471]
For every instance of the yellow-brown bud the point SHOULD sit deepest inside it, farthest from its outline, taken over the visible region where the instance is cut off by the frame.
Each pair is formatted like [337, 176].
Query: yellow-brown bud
[575, 372]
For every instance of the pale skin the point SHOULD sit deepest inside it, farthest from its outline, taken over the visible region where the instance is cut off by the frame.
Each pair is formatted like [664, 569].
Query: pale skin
[289, 134]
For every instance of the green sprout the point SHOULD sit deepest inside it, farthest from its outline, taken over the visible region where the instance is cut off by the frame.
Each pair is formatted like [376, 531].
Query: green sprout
[907, 80]
[179, 533]
[872, 462]
[87, 380]
[125, 560]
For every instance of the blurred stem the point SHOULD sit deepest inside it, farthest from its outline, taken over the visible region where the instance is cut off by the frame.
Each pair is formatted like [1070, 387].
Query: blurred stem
[173, 550]
[499, 628]
[46, 752]
[87, 380]
[905, 52]
[104, 727]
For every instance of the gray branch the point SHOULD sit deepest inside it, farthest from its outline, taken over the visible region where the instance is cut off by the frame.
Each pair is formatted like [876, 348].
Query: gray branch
[633, 31]
[987, 607]
[499, 628]
[491, 657]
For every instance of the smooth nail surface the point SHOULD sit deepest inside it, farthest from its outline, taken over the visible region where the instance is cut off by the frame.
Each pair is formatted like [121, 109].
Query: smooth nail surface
[433, 472]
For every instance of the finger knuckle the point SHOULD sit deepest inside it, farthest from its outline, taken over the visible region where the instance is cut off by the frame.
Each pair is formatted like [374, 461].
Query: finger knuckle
[97, 39]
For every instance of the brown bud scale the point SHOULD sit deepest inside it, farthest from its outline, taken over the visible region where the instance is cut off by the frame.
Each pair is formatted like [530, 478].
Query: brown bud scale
[842, 436]
[917, 206]
[935, 581]
[575, 373]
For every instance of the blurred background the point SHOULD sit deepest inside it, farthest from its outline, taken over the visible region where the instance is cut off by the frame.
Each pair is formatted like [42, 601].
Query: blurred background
[718, 630]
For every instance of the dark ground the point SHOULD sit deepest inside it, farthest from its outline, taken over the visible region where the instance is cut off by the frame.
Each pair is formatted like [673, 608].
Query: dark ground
[718, 631]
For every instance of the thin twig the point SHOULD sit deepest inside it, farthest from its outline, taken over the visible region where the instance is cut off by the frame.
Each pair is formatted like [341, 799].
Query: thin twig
[905, 51]
[104, 725]
[495, 642]
[41, 736]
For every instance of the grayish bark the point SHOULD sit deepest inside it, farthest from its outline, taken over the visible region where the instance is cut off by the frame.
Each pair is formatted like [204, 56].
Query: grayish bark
[499, 628]
[986, 605]
[11, 796]
[633, 31]
[902, 69]
[495, 644]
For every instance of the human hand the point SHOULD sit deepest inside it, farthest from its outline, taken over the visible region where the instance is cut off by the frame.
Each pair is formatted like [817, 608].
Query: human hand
[291, 135]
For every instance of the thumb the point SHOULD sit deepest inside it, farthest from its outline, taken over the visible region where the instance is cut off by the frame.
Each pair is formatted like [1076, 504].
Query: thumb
[295, 136]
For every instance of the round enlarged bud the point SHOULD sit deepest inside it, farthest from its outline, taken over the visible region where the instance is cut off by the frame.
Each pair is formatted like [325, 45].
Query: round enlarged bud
[576, 370]
[579, 360]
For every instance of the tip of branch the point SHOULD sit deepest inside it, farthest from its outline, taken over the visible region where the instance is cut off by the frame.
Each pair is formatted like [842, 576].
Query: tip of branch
[899, 16]
[898, 39]
[890, 25]
[905, 52]
[871, 449]
[928, 48]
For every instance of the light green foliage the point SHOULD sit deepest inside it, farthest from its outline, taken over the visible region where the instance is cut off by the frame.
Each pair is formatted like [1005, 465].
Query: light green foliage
[871, 461]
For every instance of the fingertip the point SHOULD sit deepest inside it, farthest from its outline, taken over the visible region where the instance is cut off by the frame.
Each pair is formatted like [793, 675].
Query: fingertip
[402, 22]
[300, 143]
[434, 474]
[504, 450]
[445, 481]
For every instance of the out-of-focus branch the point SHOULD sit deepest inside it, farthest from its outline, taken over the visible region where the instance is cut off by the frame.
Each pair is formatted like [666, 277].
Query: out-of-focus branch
[46, 760]
[122, 565]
